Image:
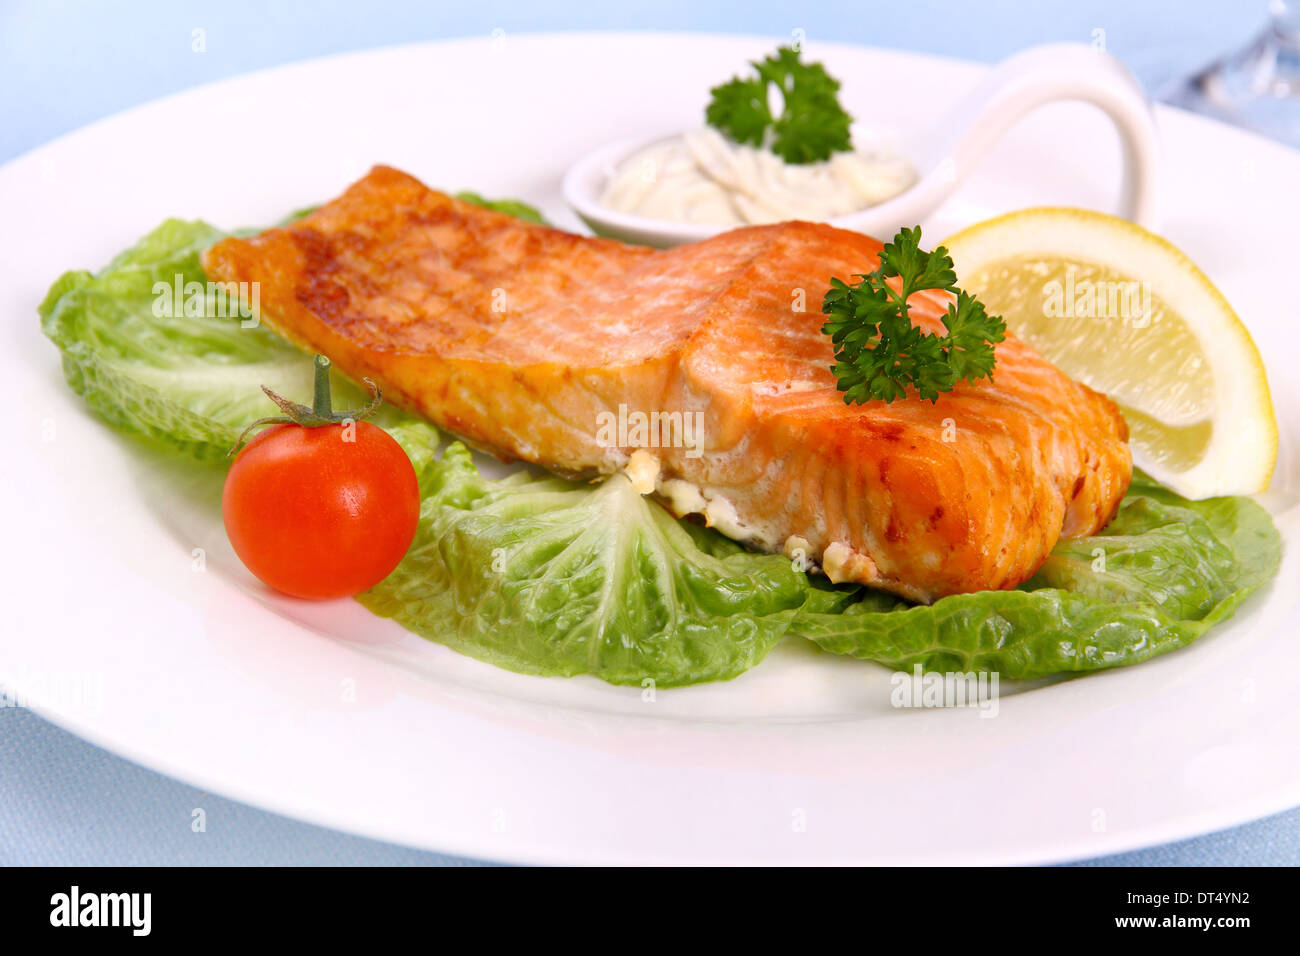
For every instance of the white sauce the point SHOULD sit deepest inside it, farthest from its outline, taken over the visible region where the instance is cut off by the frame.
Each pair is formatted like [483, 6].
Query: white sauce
[703, 177]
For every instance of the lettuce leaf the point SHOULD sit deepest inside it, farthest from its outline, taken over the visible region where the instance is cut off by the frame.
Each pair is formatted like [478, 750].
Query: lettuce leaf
[548, 577]
[545, 576]
[190, 382]
[511, 207]
[1159, 576]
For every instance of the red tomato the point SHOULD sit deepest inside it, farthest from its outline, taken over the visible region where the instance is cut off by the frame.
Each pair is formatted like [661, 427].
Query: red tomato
[316, 516]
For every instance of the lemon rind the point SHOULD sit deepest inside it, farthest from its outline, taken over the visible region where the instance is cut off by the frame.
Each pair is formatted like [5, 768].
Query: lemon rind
[1233, 462]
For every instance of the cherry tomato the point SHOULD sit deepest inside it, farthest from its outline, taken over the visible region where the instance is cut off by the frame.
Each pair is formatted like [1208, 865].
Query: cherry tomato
[317, 516]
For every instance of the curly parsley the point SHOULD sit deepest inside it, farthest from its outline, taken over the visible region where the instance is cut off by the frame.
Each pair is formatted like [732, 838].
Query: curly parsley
[879, 352]
[811, 125]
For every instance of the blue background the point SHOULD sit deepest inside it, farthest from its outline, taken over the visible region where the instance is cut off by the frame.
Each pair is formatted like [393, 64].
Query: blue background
[65, 64]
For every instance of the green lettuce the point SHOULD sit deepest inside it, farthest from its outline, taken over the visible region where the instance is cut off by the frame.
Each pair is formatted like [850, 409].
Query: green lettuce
[545, 576]
[1159, 576]
[548, 577]
[187, 381]
[511, 207]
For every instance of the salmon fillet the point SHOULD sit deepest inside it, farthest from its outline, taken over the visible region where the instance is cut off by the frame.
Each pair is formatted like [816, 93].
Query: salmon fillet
[530, 343]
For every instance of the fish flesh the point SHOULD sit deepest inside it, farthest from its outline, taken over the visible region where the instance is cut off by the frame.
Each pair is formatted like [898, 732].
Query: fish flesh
[699, 371]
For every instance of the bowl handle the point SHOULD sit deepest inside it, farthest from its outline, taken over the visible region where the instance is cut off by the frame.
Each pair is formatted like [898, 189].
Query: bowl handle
[1045, 74]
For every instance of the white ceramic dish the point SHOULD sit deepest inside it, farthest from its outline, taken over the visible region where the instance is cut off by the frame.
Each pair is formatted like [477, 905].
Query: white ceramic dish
[943, 148]
[327, 713]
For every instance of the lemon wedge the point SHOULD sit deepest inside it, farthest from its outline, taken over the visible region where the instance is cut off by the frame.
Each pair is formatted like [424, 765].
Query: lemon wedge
[1123, 311]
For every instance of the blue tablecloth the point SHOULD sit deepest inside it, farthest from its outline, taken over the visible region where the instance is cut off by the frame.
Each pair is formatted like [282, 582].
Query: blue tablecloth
[64, 64]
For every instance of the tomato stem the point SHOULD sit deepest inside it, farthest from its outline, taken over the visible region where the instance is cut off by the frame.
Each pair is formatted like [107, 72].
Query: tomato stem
[321, 411]
[322, 405]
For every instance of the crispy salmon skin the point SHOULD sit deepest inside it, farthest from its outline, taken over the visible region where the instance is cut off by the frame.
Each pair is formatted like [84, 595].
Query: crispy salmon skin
[541, 345]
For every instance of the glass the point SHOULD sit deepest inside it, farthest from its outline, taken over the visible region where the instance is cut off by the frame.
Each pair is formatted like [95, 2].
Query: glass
[1257, 87]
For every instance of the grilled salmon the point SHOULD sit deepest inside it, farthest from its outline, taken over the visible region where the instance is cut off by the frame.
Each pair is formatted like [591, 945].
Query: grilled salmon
[702, 372]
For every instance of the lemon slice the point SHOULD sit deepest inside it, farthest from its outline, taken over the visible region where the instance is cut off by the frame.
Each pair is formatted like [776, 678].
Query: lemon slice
[1123, 311]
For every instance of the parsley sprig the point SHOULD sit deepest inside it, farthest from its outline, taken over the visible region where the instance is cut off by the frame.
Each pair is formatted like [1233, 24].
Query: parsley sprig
[879, 352]
[811, 126]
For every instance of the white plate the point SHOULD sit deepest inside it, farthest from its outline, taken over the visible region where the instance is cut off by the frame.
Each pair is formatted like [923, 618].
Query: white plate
[326, 713]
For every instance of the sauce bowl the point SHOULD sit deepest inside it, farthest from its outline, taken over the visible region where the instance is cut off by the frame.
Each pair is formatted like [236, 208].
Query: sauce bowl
[942, 154]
